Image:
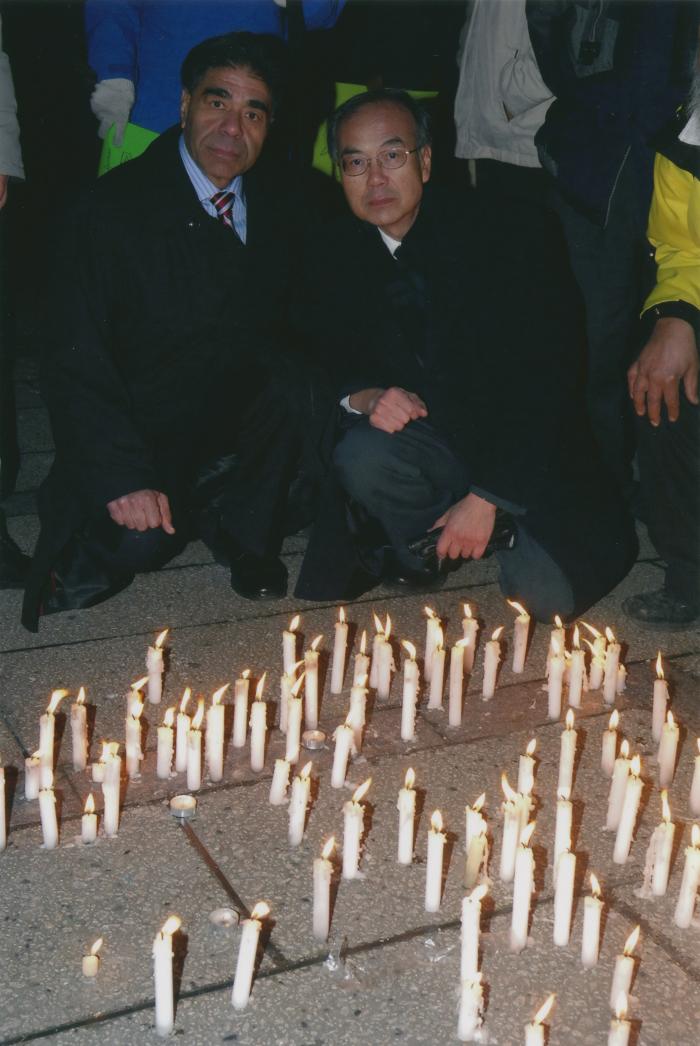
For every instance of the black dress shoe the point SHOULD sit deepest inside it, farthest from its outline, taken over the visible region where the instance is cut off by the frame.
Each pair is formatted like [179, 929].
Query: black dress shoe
[661, 609]
[254, 577]
[425, 575]
[14, 565]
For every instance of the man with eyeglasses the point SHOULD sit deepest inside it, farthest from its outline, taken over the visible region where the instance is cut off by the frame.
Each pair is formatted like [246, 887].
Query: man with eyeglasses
[455, 355]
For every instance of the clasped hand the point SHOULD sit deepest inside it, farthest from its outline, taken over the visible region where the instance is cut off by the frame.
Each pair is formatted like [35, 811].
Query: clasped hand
[142, 510]
[389, 409]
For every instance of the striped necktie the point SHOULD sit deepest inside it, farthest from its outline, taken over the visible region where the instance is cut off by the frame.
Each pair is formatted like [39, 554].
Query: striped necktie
[223, 201]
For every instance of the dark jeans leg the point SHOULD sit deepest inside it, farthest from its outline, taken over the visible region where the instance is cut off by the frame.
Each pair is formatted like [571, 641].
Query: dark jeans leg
[669, 468]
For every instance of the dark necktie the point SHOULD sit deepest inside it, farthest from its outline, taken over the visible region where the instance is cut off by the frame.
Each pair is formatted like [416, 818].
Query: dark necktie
[223, 201]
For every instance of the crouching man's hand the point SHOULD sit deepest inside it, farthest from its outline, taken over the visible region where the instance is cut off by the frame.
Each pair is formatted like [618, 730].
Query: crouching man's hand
[468, 526]
[142, 510]
[389, 409]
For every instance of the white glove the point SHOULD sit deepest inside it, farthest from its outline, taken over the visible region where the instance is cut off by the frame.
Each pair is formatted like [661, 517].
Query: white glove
[111, 102]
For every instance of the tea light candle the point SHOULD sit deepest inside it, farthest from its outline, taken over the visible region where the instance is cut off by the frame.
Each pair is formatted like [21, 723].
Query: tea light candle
[628, 817]
[618, 786]
[47, 729]
[454, 710]
[194, 749]
[289, 646]
[164, 753]
[410, 693]
[567, 757]
[311, 684]
[294, 716]
[668, 747]
[433, 636]
[91, 961]
[49, 823]
[592, 910]
[624, 969]
[154, 667]
[343, 744]
[685, 907]
[534, 1032]
[356, 713]
[361, 668]
[353, 824]
[385, 663]
[322, 875]
[340, 643]
[184, 807]
[695, 785]
[247, 953]
[182, 730]
[612, 657]
[32, 768]
[492, 657]
[407, 812]
[659, 702]
[433, 877]
[437, 673]
[470, 632]
[609, 748]
[88, 822]
[521, 629]
[471, 1005]
[619, 1034]
[564, 897]
[241, 689]
[476, 844]
[258, 728]
[522, 891]
[557, 663]
[470, 933]
[214, 746]
[577, 672]
[78, 728]
[526, 769]
[280, 783]
[298, 805]
[163, 975]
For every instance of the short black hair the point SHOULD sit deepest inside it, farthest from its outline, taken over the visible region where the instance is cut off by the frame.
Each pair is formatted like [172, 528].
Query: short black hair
[420, 114]
[263, 54]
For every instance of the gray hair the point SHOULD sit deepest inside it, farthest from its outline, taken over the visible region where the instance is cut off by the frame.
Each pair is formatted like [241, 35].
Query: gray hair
[419, 113]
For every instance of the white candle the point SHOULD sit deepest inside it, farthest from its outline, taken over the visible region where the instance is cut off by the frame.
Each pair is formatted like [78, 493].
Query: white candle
[247, 954]
[49, 823]
[564, 898]
[258, 730]
[619, 1034]
[182, 730]
[361, 669]
[410, 693]
[295, 711]
[437, 673]
[609, 748]
[470, 631]
[164, 754]
[595, 678]
[353, 824]
[521, 629]
[557, 639]
[407, 812]
[661, 848]
[454, 712]
[110, 791]
[621, 685]
[557, 663]
[194, 749]
[628, 817]
[154, 666]
[88, 822]
[577, 672]
[592, 910]
[526, 769]
[241, 689]
[522, 891]
[78, 728]
[618, 786]
[385, 663]
[470, 932]
[476, 844]
[214, 746]
[492, 657]
[612, 657]
[695, 785]
[47, 729]
[340, 643]
[91, 961]
[624, 969]
[289, 646]
[433, 634]
[298, 805]
[511, 831]
[562, 832]
[280, 783]
[433, 874]
[668, 747]
[356, 713]
[134, 755]
[567, 757]
[343, 745]
[471, 1004]
[163, 975]
[685, 907]
[377, 641]
[311, 684]
[322, 875]
[32, 769]
[660, 701]
[534, 1032]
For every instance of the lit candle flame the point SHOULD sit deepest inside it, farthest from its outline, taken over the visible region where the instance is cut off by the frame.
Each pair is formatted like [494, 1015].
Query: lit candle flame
[171, 926]
[409, 648]
[659, 667]
[614, 720]
[436, 821]
[669, 719]
[497, 634]
[631, 942]
[508, 792]
[328, 848]
[185, 699]
[479, 803]
[543, 1012]
[577, 638]
[297, 686]
[56, 698]
[590, 646]
[294, 623]
[136, 709]
[218, 694]
[609, 635]
[161, 638]
[636, 766]
[526, 834]
[261, 911]
[305, 771]
[478, 893]
[260, 687]
[316, 643]
[139, 684]
[199, 715]
[530, 750]
[594, 631]
[379, 628]
[96, 946]
[625, 749]
[246, 674]
[90, 804]
[467, 610]
[387, 627]
[621, 1006]
[363, 641]
[341, 615]
[569, 719]
[665, 808]
[80, 700]
[558, 621]
[430, 612]
[410, 778]
[169, 717]
[361, 792]
[695, 836]
[595, 885]
[517, 606]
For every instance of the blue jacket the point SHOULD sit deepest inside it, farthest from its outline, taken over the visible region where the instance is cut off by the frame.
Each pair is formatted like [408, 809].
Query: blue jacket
[146, 42]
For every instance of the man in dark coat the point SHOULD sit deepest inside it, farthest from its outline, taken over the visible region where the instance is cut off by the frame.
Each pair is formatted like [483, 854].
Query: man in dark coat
[456, 360]
[164, 356]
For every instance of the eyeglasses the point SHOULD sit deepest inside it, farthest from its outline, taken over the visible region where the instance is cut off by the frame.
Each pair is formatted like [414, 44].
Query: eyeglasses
[392, 159]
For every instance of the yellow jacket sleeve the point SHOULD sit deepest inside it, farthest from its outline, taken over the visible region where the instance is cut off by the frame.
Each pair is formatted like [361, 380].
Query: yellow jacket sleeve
[674, 231]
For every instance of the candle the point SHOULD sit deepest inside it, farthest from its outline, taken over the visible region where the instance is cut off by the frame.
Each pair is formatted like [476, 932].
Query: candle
[471, 1004]
[410, 693]
[340, 643]
[660, 701]
[592, 910]
[194, 749]
[658, 860]
[562, 832]
[294, 716]
[240, 708]
[534, 1032]
[91, 960]
[522, 891]
[470, 631]
[183, 729]
[353, 824]
[298, 805]
[433, 876]
[88, 822]
[492, 656]
[47, 812]
[668, 747]
[628, 817]
[322, 874]
[621, 684]
[437, 672]
[695, 785]
[343, 744]
[154, 665]
[280, 782]
[258, 728]
[78, 728]
[111, 784]
[598, 646]
[289, 646]
[356, 713]
[47, 730]
[521, 629]
[214, 745]
[526, 769]
[163, 975]
[557, 663]
[164, 754]
[454, 711]
[612, 657]
[557, 638]
[577, 672]
[433, 635]
[134, 755]
[377, 641]
[407, 812]
[511, 831]
[247, 953]
[619, 1034]
[685, 907]
[311, 684]
[564, 898]
[567, 756]
[476, 844]
[385, 663]
[618, 786]
[470, 931]
[361, 669]
[32, 771]
[624, 969]
[609, 749]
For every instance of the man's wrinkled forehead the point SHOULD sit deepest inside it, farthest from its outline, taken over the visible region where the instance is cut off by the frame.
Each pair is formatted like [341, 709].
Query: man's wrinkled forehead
[378, 125]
